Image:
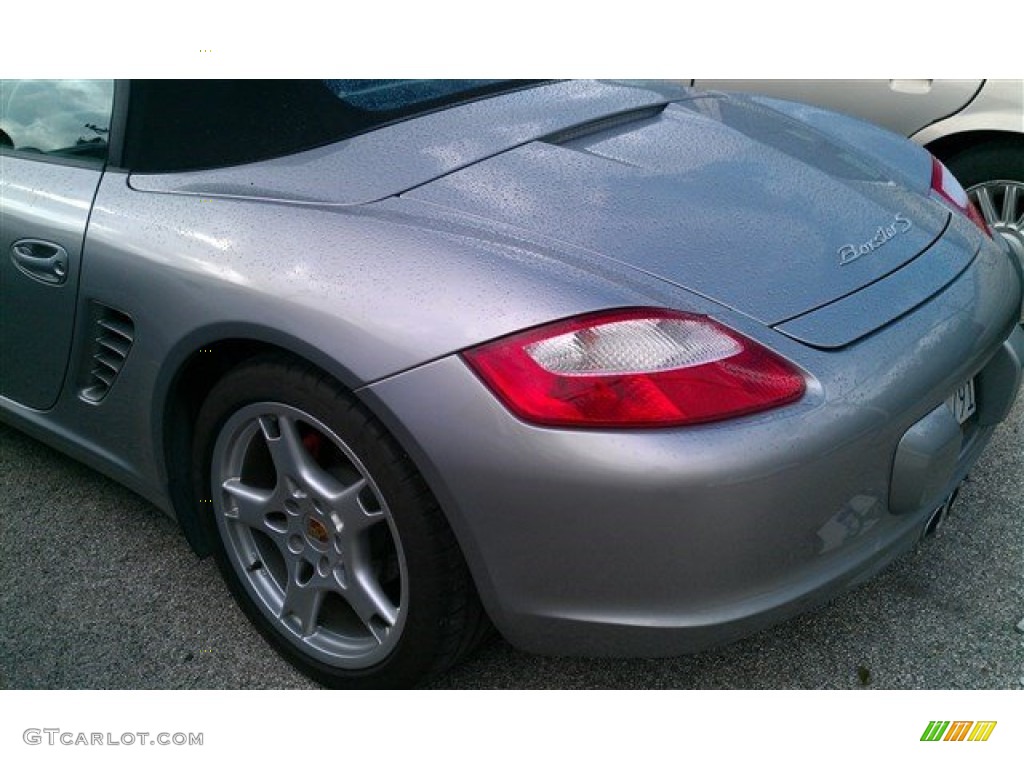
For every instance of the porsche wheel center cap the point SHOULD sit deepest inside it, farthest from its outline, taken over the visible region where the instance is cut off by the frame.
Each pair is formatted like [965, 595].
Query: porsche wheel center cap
[316, 531]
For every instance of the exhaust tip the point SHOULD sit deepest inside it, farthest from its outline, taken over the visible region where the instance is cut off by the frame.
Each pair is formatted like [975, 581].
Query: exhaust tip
[938, 517]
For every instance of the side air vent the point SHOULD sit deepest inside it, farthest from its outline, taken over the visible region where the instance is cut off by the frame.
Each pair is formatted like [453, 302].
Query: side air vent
[114, 333]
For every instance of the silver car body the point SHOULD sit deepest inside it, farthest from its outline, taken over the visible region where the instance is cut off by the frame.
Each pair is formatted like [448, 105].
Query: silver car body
[975, 127]
[378, 259]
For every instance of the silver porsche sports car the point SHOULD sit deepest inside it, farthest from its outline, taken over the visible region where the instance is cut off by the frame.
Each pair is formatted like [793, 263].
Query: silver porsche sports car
[616, 368]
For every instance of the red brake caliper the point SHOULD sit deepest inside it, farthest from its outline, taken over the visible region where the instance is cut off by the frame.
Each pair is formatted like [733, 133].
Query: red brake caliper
[313, 443]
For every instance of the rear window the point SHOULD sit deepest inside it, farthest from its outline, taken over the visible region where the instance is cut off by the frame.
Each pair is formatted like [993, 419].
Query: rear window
[192, 124]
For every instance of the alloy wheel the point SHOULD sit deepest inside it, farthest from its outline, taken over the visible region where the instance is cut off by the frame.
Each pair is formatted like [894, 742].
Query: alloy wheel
[309, 535]
[1001, 202]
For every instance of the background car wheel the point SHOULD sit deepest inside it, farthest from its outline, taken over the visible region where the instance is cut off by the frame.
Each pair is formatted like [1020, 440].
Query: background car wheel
[326, 534]
[993, 175]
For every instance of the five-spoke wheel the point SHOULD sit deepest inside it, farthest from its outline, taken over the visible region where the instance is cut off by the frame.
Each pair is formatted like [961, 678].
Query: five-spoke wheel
[325, 532]
[304, 523]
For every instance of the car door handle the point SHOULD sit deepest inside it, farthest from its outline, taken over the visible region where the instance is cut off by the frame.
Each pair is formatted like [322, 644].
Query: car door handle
[912, 87]
[40, 260]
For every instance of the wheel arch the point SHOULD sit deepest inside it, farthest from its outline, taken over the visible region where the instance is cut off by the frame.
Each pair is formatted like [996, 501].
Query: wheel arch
[947, 147]
[190, 372]
[195, 366]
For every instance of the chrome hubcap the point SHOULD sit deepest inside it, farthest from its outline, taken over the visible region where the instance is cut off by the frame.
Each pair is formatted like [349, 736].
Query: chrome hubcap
[310, 535]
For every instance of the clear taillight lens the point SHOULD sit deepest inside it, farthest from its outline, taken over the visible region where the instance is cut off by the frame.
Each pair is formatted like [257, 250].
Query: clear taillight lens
[949, 190]
[634, 368]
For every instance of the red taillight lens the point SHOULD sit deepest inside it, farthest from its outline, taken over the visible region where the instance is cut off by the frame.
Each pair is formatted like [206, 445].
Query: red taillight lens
[945, 185]
[634, 368]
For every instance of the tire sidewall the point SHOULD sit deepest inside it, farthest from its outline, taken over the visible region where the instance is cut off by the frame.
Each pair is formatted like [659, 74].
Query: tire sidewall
[993, 159]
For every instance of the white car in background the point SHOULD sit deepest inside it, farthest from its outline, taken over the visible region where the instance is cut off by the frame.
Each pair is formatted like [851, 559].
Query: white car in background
[975, 127]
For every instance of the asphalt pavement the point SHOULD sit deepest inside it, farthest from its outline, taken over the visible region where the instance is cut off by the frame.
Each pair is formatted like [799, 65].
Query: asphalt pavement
[100, 591]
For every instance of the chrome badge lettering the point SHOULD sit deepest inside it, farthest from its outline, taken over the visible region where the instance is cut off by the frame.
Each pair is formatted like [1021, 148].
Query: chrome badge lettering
[900, 224]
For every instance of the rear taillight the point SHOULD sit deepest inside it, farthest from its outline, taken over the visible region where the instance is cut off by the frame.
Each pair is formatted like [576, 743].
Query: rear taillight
[949, 190]
[634, 368]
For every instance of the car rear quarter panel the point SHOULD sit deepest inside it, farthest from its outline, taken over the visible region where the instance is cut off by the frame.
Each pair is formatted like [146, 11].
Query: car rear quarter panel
[662, 541]
[362, 292]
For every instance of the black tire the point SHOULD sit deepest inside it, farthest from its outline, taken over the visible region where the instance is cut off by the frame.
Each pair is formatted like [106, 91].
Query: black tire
[326, 534]
[991, 159]
[992, 172]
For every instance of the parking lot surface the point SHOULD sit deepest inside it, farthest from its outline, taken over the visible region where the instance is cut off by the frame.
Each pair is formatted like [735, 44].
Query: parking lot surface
[101, 591]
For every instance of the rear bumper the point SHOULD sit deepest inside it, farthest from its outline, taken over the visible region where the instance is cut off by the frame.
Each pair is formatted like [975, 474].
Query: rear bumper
[665, 542]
